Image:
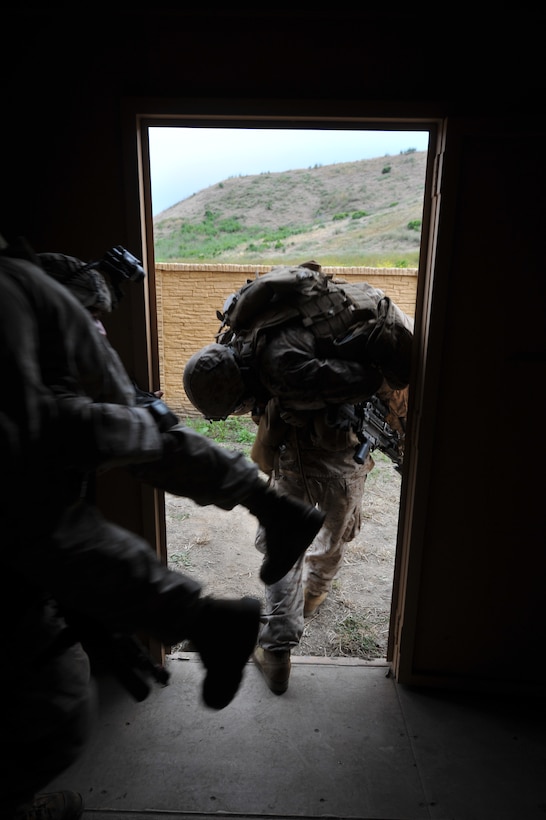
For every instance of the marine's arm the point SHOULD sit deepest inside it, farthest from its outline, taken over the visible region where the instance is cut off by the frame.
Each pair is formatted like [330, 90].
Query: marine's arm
[291, 370]
[54, 415]
[60, 544]
[195, 467]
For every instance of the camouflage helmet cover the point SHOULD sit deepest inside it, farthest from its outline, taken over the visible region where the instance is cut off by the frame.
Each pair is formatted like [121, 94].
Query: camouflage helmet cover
[86, 283]
[213, 382]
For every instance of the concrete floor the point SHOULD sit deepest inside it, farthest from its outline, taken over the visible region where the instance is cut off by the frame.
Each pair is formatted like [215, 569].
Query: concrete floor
[344, 741]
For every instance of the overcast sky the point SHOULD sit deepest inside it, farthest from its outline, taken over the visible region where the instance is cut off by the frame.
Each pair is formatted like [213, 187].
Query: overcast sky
[185, 160]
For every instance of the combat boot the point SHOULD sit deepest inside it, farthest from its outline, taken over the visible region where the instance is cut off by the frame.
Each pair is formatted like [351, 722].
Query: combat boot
[275, 667]
[224, 634]
[290, 526]
[65, 805]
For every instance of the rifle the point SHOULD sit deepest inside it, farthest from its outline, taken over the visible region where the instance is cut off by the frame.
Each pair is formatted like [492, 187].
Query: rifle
[368, 420]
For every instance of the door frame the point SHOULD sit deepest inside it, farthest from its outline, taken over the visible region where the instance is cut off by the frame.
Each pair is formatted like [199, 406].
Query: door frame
[138, 116]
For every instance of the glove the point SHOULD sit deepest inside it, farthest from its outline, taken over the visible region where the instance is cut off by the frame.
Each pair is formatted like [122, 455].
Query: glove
[163, 416]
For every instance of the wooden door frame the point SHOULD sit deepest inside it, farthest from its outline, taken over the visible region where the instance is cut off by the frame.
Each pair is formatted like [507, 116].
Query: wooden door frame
[138, 116]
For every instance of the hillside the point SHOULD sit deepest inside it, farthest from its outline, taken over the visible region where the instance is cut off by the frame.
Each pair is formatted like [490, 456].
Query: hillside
[354, 213]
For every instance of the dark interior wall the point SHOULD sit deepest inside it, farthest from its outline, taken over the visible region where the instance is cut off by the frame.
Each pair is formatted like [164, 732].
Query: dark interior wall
[484, 564]
[66, 75]
[66, 82]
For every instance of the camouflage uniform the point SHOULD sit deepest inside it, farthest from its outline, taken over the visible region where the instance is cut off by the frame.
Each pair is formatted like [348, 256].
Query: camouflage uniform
[314, 462]
[305, 344]
[67, 408]
[311, 460]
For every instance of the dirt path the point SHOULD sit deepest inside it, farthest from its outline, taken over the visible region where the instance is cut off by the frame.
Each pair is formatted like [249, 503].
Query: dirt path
[217, 547]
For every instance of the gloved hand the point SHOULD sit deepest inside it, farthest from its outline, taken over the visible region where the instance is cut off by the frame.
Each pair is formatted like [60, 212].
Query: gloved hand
[163, 416]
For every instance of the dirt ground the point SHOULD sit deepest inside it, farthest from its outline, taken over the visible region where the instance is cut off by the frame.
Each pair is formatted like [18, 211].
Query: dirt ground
[217, 548]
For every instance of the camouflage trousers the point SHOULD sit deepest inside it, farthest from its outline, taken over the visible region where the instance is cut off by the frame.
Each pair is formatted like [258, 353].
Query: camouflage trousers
[47, 720]
[340, 496]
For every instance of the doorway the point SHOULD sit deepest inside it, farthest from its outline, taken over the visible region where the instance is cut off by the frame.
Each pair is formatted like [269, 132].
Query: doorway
[355, 620]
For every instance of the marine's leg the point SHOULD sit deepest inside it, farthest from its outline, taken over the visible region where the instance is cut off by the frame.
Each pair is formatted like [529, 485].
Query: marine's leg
[195, 467]
[47, 721]
[282, 619]
[342, 498]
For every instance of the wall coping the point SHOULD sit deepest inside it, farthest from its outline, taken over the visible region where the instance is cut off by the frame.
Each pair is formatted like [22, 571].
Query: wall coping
[251, 269]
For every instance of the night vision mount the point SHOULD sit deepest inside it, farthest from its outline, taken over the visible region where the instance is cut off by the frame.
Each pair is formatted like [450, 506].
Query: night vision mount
[120, 265]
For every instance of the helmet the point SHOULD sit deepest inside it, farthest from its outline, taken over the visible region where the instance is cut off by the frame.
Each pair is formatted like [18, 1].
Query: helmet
[86, 283]
[213, 382]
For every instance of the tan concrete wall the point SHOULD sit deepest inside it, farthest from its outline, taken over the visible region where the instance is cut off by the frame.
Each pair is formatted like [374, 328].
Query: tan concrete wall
[189, 295]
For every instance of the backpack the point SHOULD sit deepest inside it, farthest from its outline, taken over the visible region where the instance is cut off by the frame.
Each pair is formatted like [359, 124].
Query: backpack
[350, 321]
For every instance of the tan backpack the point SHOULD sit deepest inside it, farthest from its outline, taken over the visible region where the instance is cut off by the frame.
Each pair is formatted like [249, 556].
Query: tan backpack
[357, 320]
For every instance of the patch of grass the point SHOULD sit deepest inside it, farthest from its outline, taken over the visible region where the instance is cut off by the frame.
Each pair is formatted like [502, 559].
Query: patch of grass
[347, 259]
[237, 432]
[180, 559]
[355, 637]
[383, 474]
[180, 516]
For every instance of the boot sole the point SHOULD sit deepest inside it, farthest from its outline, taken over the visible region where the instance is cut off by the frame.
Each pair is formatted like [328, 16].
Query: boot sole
[224, 676]
[272, 571]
